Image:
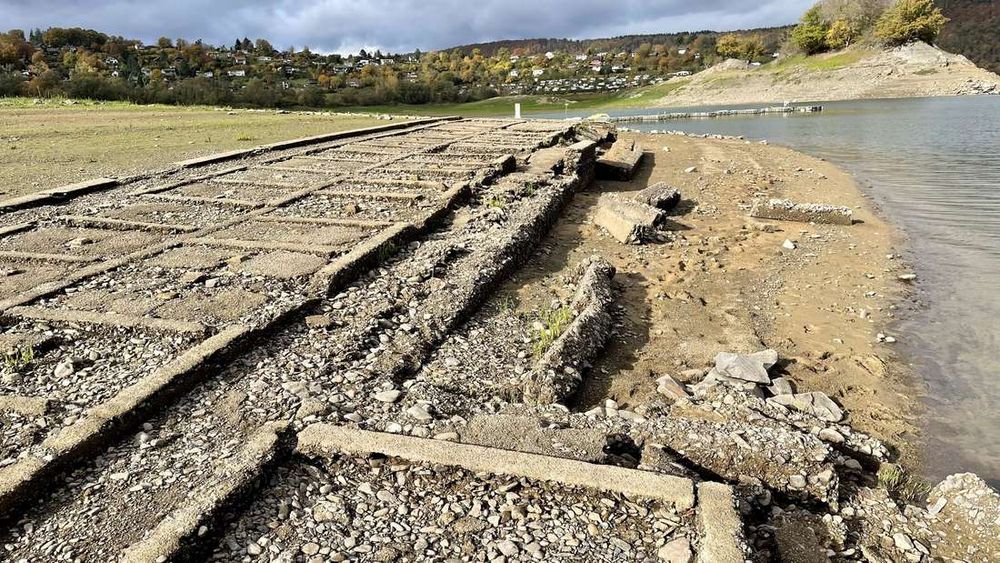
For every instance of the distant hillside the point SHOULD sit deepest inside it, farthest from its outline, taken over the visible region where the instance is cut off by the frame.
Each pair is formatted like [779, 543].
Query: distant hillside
[914, 70]
[974, 30]
[699, 40]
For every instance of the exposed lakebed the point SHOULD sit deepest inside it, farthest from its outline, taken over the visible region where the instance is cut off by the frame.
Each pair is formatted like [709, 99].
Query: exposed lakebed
[933, 166]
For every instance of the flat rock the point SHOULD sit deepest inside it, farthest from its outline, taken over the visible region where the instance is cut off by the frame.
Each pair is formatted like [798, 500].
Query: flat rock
[815, 403]
[748, 367]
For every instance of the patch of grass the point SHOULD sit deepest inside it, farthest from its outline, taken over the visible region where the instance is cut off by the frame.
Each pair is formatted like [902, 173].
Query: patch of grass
[926, 71]
[496, 201]
[551, 323]
[901, 484]
[387, 251]
[16, 360]
[245, 138]
[506, 303]
[822, 62]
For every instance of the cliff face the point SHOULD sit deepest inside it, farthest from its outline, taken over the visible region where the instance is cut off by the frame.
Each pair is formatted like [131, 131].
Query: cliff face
[914, 70]
[974, 30]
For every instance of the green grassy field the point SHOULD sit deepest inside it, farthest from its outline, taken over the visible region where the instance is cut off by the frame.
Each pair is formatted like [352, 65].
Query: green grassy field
[504, 105]
[53, 143]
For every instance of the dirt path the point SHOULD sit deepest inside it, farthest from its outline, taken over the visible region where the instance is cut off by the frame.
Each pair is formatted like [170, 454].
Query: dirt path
[723, 282]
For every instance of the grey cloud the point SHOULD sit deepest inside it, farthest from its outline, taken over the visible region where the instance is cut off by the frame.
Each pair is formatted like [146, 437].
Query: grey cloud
[394, 25]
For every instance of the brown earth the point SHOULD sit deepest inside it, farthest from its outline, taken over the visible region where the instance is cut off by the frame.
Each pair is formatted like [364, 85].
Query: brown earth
[720, 282]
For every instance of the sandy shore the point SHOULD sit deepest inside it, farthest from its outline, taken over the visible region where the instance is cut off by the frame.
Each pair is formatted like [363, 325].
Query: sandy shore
[724, 282]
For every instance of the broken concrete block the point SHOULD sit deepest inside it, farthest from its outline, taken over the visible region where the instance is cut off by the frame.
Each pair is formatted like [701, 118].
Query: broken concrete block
[722, 435]
[659, 195]
[785, 210]
[630, 222]
[669, 387]
[620, 162]
[747, 367]
[815, 403]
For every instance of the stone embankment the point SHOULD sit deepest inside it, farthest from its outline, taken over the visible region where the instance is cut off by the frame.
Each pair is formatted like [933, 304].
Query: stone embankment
[772, 110]
[298, 353]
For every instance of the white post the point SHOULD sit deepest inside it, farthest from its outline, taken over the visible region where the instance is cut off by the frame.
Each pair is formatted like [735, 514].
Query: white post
[517, 111]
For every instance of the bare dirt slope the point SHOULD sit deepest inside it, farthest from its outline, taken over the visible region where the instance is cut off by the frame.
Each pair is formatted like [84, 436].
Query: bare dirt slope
[721, 283]
[914, 70]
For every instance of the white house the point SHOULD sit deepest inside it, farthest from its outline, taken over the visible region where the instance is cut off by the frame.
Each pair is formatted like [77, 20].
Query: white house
[237, 73]
[538, 72]
[550, 55]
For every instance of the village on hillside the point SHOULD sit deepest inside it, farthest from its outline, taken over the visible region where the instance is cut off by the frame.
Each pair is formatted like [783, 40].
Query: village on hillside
[82, 63]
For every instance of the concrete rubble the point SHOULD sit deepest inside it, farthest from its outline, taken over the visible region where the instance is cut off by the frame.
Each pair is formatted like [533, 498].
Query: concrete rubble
[620, 162]
[627, 220]
[784, 210]
[659, 195]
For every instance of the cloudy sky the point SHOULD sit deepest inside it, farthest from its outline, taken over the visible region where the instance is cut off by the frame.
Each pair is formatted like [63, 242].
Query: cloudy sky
[393, 25]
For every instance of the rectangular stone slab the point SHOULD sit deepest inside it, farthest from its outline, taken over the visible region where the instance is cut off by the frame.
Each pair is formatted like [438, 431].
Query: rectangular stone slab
[785, 210]
[322, 439]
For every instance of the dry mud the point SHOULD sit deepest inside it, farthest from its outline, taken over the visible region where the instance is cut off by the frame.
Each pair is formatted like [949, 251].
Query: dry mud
[386, 346]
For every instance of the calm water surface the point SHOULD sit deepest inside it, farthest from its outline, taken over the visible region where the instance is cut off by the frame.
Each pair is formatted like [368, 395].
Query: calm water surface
[933, 165]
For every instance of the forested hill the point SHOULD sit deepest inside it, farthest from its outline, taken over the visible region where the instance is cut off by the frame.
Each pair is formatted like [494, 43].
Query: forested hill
[974, 30]
[696, 40]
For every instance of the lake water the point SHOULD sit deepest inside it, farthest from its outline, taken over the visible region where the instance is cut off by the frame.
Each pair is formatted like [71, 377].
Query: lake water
[933, 166]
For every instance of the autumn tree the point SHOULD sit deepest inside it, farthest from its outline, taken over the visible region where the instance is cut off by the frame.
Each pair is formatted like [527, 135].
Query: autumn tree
[743, 47]
[910, 20]
[810, 34]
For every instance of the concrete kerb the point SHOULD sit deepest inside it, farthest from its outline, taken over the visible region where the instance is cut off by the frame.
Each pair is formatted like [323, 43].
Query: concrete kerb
[182, 532]
[324, 439]
[785, 210]
[295, 143]
[558, 374]
[53, 195]
[720, 525]
[100, 424]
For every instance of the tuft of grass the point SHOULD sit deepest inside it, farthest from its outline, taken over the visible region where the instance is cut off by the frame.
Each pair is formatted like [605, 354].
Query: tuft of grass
[901, 484]
[386, 251]
[16, 360]
[506, 303]
[496, 201]
[245, 138]
[551, 324]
